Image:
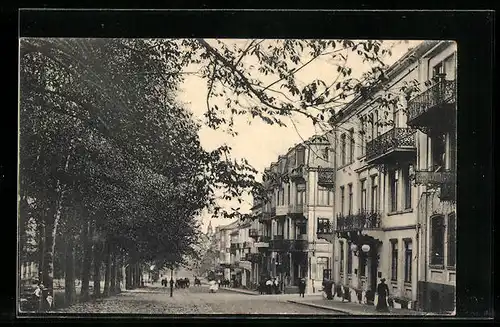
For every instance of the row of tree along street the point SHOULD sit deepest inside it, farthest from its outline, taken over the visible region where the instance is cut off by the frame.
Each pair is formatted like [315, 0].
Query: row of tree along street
[112, 173]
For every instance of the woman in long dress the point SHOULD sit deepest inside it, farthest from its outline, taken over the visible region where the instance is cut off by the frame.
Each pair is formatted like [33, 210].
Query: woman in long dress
[383, 293]
[214, 287]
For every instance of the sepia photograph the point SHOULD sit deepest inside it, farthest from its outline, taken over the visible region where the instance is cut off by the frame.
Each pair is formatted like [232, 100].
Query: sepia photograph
[223, 176]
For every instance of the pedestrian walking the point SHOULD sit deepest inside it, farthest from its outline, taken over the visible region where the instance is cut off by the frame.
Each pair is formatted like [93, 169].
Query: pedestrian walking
[171, 287]
[262, 286]
[383, 293]
[302, 287]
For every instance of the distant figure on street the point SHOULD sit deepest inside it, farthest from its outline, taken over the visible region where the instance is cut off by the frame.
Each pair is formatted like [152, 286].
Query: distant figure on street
[383, 293]
[214, 286]
[302, 287]
[276, 286]
[269, 286]
[262, 286]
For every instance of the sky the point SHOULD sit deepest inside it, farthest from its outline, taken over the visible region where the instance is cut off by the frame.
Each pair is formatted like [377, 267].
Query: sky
[257, 141]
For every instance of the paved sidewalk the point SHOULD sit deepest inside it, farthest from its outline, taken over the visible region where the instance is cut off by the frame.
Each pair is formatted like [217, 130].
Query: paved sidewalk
[354, 308]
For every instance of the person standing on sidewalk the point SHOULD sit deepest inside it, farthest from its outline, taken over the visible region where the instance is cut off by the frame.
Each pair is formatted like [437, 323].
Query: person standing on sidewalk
[302, 287]
[383, 293]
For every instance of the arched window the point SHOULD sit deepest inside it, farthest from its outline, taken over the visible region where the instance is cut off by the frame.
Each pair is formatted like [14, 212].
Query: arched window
[437, 240]
[451, 240]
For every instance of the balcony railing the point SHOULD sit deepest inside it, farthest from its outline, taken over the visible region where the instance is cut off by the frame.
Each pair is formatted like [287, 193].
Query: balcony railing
[297, 174]
[326, 177]
[325, 227]
[427, 106]
[363, 220]
[427, 177]
[277, 243]
[254, 233]
[396, 141]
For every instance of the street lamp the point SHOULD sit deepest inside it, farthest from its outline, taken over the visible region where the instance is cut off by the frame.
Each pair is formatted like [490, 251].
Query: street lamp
[365, 248]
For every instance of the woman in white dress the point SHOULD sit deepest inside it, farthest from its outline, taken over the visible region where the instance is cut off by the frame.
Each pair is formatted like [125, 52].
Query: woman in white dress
[214, 287]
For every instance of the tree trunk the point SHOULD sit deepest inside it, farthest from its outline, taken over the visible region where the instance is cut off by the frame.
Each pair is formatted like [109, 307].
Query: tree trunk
[87, 258]
[97, 270]
[69, 277]
[114, 274]
[48, 261]
[107, 266]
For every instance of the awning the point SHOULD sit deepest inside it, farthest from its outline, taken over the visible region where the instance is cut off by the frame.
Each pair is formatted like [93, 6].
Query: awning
[246, 265]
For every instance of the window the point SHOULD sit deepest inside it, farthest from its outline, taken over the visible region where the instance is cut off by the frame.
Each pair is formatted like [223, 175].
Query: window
[282, 192]
[341, 245]
[437, 240]
[395, 117]
[350, 199]
[393, 184]
[300, 197]
[325, 154]
[408, 260]
[375, 131]
[374, 195]
[351, 145]
[438, 152]
[349, 260]
[363, 195]
[451, 240]
[342, 199]
[342, 150]
[362, 136]
[300, 156]
[324, 196]
[407, 185]
[322, 264]
[288, 194]
[394, 260]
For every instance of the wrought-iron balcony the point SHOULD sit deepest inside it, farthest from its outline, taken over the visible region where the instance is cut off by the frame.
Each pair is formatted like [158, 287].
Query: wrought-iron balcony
[433, 108]
[445, 180]
[428, 177]
[324, 227]
[265, 239]
[297, 174]
[396, 144]
[253, 233]
[363, 220]
[326, 177]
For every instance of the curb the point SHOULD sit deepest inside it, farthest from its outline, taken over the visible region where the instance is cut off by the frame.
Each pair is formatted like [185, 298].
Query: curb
[318, 306]
[239, 291]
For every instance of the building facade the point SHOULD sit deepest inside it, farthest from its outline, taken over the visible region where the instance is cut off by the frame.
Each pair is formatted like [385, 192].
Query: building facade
[383, 158]
[300, 184]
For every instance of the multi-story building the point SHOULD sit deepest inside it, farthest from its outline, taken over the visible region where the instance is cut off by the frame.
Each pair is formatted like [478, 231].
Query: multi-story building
[379, 209]
[433, 113]
[223, 235]
[300, 184]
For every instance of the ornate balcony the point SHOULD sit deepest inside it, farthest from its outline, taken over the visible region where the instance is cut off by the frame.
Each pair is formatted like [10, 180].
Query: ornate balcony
[445, 180]
[396, 144]
[325, 229]
[427, 177]
[434, 108]
[326, 177]
[297, 174]
[253, 233]
[363, 220]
